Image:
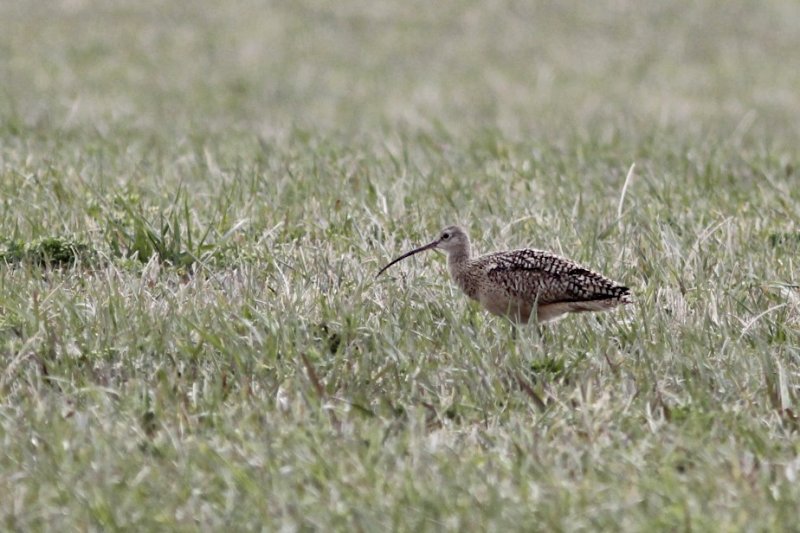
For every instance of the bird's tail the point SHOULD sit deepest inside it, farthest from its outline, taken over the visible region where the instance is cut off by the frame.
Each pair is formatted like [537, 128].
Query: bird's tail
[625, 296]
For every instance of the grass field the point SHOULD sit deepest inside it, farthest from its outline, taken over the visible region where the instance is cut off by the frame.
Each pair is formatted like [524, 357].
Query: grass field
[196, 196]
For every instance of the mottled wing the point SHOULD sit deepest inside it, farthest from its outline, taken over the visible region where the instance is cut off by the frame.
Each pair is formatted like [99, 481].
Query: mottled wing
[547, 278]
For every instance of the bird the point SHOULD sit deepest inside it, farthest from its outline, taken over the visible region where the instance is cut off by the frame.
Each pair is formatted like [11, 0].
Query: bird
[525, 284]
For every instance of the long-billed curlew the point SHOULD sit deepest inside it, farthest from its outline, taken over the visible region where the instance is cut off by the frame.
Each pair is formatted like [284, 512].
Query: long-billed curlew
[514, 283]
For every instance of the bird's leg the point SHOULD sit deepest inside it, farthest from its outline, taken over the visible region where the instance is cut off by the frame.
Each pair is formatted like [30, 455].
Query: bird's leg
[540, 332]
[534, 320]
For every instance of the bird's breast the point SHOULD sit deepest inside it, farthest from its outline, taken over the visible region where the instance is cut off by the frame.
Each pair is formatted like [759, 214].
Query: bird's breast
[467, 282]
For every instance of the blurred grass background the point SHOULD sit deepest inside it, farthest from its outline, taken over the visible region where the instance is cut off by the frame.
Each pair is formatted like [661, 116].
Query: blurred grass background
[195, 199]
[526, 68]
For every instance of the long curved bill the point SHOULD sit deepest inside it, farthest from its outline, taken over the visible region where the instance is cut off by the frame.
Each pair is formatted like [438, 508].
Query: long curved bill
[429, 246]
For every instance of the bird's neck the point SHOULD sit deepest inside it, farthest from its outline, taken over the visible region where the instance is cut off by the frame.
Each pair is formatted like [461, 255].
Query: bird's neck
[458, 263]
[458, 258]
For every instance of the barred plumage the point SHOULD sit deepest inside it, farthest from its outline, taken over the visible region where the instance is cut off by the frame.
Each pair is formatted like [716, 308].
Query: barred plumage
[517, 282]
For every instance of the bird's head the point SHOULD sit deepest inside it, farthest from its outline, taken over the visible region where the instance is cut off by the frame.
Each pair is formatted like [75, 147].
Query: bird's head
[452, 239]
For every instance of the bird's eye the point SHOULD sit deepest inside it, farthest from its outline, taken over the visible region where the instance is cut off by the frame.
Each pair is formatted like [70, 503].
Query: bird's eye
[445, 236]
